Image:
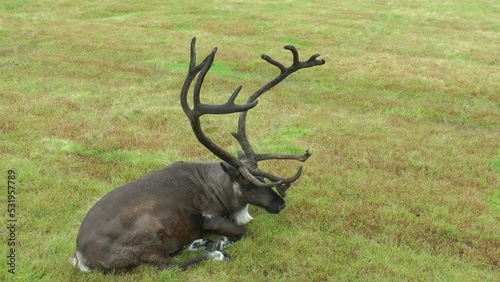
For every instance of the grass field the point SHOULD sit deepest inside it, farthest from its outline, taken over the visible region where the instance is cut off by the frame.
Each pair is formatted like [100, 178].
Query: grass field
[403, 122]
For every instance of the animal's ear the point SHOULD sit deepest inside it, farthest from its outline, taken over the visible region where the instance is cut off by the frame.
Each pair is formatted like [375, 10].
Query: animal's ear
[229, 169]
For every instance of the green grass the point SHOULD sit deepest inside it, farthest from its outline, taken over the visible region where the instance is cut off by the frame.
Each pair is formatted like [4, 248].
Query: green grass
[403, 122]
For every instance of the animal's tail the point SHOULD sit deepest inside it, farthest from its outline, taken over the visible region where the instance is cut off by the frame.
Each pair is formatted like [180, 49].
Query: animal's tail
[78, 261]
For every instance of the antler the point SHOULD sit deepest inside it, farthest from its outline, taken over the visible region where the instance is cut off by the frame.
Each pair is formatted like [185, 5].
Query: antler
[247, 164]
[252, 158]
[200, 109]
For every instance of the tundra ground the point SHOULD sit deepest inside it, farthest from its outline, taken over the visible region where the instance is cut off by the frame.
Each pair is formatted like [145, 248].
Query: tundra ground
[403, 122]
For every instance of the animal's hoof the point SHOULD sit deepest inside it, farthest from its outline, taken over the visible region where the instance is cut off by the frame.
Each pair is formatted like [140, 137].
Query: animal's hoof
[220, 244]
[224, 242]
[199, 245]
[217, 255]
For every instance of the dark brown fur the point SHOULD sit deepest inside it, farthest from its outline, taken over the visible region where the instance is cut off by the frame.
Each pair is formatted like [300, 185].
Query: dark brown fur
[147, 220]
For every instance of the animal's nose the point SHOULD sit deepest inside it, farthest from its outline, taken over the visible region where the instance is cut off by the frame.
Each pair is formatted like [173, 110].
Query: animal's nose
[282, 207]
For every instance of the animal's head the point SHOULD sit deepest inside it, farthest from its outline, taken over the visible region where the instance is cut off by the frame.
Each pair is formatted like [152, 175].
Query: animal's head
[246, 191]
[255, 183]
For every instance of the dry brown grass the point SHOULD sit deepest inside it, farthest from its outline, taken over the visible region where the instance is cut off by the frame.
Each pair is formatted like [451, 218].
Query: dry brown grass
[403, 123]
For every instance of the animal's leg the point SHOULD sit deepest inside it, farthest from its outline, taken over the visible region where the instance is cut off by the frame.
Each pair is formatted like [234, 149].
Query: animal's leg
[206, 244]
[215, 255]
[219, 245]
[223, 226]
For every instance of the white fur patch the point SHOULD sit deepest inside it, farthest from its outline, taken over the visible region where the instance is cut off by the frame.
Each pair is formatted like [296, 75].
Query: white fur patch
[77, 260]
[224, 242]
[216, 255]
[198, 245]
[242, 216]
[207, 215]
[237, 189]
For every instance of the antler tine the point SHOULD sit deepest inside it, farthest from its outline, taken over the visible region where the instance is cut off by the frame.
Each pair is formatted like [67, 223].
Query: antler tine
[282, 184]
[286, 71]
[192, 57]
[295, 53]
[287, 182]
[200, 109]
[300, 158]
[205, 67]
[250, 176]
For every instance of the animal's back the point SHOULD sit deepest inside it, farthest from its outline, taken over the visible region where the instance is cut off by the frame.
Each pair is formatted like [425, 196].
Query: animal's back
[169, 185]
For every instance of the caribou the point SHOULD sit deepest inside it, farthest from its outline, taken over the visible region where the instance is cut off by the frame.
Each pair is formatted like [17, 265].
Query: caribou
[149, 220]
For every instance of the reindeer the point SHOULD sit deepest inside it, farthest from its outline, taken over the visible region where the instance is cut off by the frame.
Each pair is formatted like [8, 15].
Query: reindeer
[152, 218]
